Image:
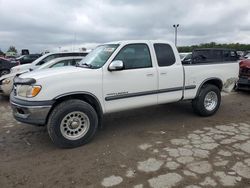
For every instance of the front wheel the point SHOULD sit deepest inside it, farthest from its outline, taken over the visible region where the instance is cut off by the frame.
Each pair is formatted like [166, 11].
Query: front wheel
[208, 101]
[72, 123]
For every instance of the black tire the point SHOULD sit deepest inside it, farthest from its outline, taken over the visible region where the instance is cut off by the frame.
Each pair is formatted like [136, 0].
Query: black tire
[4, 72]
[198, 103]
[60, 112]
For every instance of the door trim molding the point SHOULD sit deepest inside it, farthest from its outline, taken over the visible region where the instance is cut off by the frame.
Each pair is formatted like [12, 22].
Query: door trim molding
[153, 92]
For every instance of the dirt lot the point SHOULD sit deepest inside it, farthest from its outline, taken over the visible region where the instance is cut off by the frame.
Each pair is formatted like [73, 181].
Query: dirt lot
[163, 146]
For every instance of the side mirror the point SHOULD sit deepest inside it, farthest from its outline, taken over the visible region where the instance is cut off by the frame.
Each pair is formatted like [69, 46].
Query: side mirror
[116, 65]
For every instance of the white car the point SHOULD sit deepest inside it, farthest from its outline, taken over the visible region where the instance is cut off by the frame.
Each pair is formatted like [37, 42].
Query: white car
[61, 62]
[17, 70]
[247, 56]
[7, 80]
[44, 59]
[115, 76]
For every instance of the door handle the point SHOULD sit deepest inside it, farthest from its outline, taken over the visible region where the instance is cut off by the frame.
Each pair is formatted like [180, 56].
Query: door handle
[163, 73]
[150, 74]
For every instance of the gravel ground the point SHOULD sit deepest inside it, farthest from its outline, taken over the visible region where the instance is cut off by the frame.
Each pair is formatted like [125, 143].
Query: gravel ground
[162, 146]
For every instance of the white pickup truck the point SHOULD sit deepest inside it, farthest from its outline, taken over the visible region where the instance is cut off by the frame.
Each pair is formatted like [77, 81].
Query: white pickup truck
[115, 76]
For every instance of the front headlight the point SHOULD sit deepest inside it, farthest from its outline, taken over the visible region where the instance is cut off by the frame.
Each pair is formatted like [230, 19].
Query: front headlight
[6, 81]
[28, 91]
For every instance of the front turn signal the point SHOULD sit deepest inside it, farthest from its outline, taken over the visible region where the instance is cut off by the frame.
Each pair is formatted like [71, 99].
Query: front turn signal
[34, 90]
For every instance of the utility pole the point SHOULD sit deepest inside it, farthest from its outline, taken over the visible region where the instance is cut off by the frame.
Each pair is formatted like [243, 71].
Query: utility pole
[176, 29]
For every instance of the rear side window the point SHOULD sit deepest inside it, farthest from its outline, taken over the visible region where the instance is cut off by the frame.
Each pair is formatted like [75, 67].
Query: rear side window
[48, 58]
[74, 62]
[82, 54]
[164, 54]
[60, 64]
[25, 58]
[135, 56]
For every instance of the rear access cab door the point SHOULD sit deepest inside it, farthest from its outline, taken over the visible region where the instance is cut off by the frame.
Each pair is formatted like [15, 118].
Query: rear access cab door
[170, 73]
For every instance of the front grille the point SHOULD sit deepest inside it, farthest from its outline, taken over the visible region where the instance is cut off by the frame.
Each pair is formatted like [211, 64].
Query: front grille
[14, 90]
[245, 72]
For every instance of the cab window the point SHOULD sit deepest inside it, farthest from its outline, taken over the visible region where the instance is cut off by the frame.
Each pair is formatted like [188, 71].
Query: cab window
[135, 56]
[165, 55]
[60, 64]
[48, 58]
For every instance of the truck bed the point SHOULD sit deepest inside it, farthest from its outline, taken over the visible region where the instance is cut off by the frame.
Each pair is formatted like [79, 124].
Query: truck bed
[196, 74]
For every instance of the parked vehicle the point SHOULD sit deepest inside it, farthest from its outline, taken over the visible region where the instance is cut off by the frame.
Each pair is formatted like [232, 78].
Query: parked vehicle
[114, 77]
[6, 65]
[44, 59]
[61, 62]
[34, 65]
[38, 62]
[6, 85]
[25, 52]
[25, 59]
[247, 56]
[213, 55]
[244, 75]
[186, 58]
[11, 55]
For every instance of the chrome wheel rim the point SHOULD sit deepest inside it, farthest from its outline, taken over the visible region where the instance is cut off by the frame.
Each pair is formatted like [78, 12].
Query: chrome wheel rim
[211, 101]
[75, 125]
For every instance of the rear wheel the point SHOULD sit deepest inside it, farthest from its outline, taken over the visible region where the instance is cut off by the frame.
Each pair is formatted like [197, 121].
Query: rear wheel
[72, 123]
[4, 72]
[208, 101]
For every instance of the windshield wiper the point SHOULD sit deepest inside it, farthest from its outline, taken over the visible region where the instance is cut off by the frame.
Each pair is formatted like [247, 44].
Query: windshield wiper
[84, 65]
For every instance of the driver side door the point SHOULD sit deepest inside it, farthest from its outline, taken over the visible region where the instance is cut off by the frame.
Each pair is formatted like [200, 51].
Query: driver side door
[133, 86]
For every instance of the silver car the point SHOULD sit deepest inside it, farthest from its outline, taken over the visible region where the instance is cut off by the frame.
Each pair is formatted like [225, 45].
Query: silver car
[6, 81]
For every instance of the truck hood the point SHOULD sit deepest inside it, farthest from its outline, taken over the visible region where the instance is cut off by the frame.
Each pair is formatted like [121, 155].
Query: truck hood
[21, 68]
[59, 71]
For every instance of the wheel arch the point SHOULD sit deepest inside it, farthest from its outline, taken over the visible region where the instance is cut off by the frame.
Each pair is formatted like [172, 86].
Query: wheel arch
[213, 81]
[85, 96]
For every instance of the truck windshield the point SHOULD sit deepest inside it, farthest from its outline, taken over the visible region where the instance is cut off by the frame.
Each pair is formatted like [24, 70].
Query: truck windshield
[98, 57]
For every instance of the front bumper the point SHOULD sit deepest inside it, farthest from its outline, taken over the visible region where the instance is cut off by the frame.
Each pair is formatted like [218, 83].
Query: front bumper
[243, 83]
[30, 112]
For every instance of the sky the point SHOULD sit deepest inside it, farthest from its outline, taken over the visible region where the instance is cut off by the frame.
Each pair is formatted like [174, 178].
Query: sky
[71, 24]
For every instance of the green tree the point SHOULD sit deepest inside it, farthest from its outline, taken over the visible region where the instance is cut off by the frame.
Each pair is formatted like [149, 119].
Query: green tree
[235, 46]
[12, 49]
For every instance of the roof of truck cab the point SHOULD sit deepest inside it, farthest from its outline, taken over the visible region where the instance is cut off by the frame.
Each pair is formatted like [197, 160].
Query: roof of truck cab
[139, 41]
